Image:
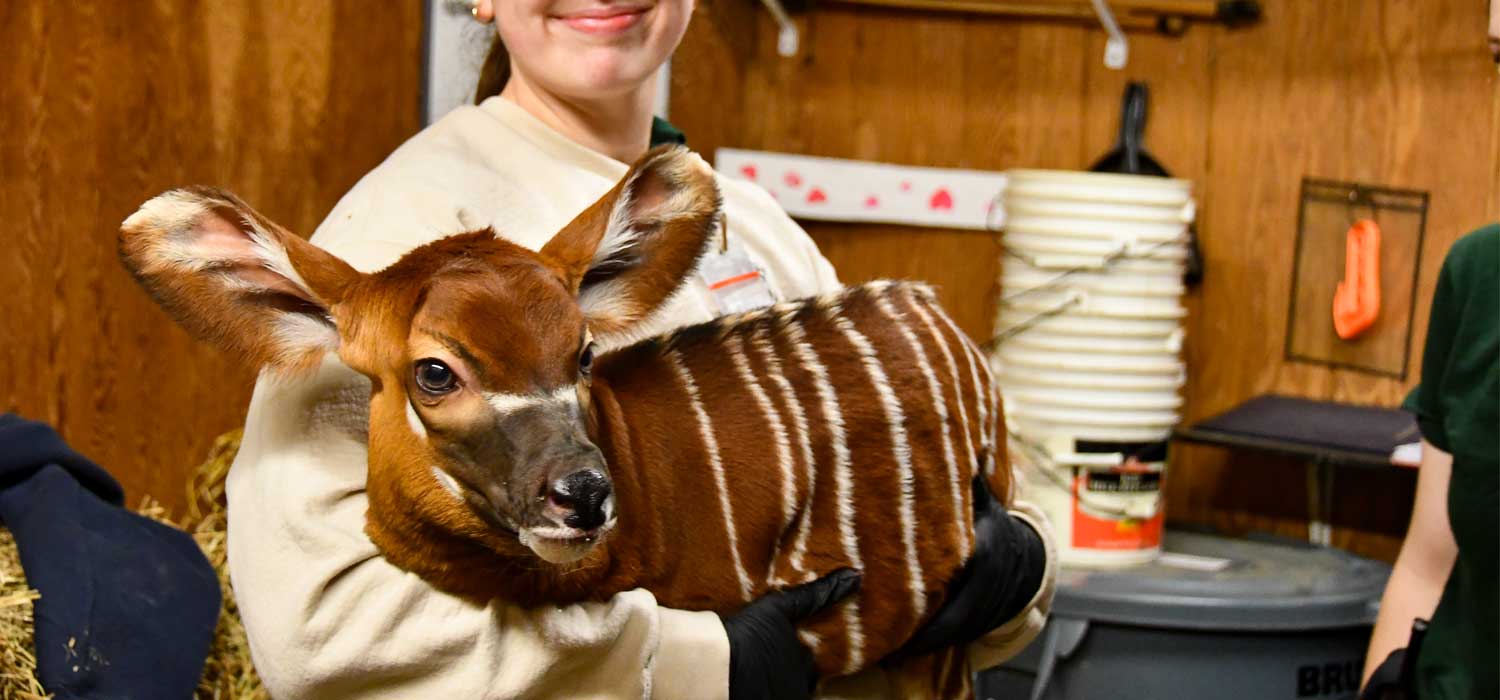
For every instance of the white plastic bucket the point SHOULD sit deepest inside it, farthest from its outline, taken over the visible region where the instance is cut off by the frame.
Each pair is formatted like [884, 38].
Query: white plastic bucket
[1109, 212]
[1106, 345]
[1167, 365]
[1096, 399]
[1069, 261]
[1097, 187]
[1017, 276]
[1028, 426]
[1110, 305]
[1074, 323]
[1101, 248]
[1105, 419]
[1094, 229]
[1037, 377]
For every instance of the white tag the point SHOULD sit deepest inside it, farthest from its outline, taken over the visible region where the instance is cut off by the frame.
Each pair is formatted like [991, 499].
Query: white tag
[736, 283]
[1408, 455]
[1193, 562]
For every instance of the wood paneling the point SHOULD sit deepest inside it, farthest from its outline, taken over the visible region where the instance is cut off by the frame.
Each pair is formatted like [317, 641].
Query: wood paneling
[1388, 92]
[103, 105]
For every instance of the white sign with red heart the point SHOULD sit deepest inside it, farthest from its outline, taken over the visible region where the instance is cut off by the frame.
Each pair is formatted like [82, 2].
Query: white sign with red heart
[834, 189]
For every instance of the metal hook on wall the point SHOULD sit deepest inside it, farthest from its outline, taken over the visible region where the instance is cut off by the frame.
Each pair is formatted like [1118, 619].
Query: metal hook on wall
[786, 35]
[1116, 51]
[1358, 197]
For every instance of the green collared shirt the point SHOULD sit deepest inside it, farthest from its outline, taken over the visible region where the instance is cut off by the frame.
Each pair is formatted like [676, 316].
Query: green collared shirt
[662, 132]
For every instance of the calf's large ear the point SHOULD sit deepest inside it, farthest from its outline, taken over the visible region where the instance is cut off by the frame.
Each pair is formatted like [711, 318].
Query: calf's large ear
[236, 279]
[629, 252]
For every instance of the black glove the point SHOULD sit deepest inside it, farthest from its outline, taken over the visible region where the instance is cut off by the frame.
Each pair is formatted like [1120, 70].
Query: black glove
[766, 660]
[992, 588]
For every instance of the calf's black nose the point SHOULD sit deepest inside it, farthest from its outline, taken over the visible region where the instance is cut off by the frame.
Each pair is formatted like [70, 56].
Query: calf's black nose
[581, 498]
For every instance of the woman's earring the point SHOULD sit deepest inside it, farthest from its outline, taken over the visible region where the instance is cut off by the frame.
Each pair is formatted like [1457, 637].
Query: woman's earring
[473, 10]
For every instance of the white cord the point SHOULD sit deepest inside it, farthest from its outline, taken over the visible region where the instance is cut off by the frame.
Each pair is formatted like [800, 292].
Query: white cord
[786, 36]
[1116, 52]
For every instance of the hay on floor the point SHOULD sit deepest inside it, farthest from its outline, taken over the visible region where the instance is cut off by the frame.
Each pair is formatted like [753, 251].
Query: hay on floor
[227, 673]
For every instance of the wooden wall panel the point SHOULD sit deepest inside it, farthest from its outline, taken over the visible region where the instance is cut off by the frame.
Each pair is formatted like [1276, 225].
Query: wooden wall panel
[1388, 92]
[104, 105]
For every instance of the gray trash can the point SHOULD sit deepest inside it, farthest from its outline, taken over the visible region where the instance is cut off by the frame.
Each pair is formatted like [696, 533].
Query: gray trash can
[1234, 619]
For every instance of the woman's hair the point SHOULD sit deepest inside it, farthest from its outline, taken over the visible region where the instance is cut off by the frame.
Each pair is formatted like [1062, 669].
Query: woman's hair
[495, 72]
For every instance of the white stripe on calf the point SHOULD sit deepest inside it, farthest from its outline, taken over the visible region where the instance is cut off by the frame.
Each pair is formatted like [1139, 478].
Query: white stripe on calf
[415, 421]
[779, 438]
[992, 402]
[506, 404]
[979, 398]
[843, 479]
[941, 406]
[963, 413]
[896, 422]
[711, 445]
[448, 483]
[811, 640]
[767, 352]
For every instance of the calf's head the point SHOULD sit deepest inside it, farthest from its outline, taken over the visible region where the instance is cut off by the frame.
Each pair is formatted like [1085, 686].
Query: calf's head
[478, 350]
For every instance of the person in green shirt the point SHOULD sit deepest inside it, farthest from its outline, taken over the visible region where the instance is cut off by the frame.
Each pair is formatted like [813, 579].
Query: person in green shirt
[1447, 566]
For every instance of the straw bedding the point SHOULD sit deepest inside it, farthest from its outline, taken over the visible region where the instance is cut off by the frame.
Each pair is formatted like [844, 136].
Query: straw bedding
[227, 674]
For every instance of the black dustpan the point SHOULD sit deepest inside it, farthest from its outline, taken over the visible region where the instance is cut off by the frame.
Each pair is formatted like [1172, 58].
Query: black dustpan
[1129, 156]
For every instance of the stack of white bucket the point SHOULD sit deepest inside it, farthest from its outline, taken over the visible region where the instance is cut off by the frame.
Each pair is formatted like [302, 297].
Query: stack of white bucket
[1090, 329]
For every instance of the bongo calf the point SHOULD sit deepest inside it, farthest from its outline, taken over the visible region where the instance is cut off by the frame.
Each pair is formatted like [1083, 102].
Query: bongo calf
[509, 459]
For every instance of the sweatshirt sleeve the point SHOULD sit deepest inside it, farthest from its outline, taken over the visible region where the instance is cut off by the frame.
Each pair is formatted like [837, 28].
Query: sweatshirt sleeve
[328, 617]
[1012, 637]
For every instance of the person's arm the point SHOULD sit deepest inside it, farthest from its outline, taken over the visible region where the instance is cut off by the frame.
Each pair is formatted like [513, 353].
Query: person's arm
[1423, 565]
[1428, 552]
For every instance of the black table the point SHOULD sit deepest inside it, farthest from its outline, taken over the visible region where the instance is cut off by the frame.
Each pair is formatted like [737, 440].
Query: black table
[1324, 434]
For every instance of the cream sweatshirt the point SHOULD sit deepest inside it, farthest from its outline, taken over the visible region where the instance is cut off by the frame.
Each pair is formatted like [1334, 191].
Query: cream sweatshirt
[327, 616]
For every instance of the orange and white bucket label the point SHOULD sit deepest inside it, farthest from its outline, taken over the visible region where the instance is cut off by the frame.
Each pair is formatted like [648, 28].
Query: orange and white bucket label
[1119, 509]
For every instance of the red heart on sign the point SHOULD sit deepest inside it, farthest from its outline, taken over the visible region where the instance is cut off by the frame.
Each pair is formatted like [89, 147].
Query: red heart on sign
[748, 171]
[816, 196]
[792, 179]
[871, 202]
[905, 186]
[940, 200]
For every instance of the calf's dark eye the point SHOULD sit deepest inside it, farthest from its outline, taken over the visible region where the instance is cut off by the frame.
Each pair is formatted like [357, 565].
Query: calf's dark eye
[586, 359]
[434, 377]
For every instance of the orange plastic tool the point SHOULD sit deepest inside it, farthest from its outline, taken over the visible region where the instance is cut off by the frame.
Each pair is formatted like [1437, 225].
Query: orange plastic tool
[1356, 302]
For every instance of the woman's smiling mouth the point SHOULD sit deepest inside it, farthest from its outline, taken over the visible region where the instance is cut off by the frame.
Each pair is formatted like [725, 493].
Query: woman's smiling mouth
[604, 20]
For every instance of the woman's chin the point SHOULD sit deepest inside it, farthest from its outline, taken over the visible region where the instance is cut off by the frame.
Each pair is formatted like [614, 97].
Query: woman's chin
[609, 72]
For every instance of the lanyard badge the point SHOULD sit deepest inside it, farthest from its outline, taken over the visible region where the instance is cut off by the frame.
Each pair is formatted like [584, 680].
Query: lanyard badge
[734, 281]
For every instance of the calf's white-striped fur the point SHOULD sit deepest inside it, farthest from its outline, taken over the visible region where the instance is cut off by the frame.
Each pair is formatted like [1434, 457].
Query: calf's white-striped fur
[870, 381]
